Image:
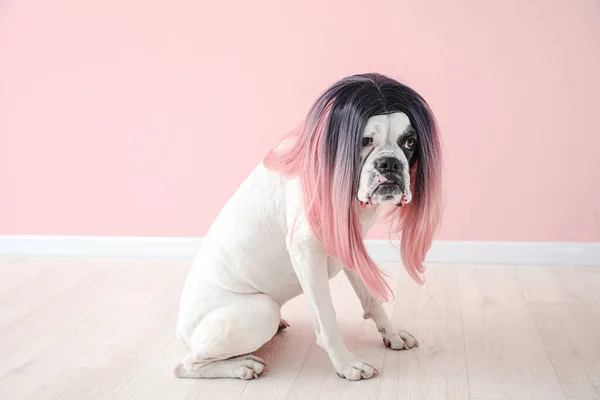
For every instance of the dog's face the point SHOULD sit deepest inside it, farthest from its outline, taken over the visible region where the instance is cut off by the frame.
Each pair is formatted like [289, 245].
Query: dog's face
[389, 146]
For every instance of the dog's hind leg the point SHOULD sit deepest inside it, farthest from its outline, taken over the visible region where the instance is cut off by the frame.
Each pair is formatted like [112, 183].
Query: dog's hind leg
[223, 340]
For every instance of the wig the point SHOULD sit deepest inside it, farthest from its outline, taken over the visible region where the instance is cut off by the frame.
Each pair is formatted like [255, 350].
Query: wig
[324, 154]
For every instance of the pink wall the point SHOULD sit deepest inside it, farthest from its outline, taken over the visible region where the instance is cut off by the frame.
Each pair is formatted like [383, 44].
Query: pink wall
[139, 117]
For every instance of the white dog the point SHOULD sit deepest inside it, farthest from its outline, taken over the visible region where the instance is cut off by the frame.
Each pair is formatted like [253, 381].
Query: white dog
[367, 144]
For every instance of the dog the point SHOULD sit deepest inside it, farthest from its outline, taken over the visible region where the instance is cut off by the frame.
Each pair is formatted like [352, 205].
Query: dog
[368, 148]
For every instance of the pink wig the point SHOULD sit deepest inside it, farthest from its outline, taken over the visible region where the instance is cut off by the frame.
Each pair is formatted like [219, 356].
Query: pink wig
[324, 154]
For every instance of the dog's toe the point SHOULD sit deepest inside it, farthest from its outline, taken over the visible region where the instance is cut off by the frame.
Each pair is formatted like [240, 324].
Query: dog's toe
[178, 370]
[251, 369]
[357, 370]
[400, 340]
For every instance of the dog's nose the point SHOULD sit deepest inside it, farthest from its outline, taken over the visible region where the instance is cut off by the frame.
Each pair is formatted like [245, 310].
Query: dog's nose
[387, 164]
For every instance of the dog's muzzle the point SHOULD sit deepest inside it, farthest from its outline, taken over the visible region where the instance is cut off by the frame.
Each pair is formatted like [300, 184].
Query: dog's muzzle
[389, 172]
[388, 181]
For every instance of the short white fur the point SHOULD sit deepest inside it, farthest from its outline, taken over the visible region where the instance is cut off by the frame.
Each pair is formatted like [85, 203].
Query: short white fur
[249, 265]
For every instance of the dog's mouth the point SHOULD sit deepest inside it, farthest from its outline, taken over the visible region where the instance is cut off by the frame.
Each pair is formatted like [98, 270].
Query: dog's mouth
[385, 188]
[386, 192]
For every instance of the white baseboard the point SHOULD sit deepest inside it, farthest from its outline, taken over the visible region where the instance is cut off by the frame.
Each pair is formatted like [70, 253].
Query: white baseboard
[519, 253]
[100, 246]
[526, 253]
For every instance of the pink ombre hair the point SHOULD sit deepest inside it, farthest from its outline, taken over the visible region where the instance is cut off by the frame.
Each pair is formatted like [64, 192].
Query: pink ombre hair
[324, 154]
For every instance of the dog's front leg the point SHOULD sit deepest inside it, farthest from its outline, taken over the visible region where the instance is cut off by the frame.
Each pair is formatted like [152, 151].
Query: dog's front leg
[392, 338]
[310, 264]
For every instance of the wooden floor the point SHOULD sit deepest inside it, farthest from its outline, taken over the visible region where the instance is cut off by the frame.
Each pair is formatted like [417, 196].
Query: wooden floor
[99, 329]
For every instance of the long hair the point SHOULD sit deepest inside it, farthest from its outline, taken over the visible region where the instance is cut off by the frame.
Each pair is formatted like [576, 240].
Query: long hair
[324, 154]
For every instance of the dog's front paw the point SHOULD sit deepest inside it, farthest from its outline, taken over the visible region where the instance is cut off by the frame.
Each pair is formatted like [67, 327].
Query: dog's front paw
[356, 370]
[400, 340]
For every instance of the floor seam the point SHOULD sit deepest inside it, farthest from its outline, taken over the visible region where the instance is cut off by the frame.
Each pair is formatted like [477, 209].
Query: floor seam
[462, 328]
[537, 329]
[299, 369]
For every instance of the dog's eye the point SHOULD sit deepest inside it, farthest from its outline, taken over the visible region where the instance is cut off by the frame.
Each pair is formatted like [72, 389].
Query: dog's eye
[409, 143]
[367, 141]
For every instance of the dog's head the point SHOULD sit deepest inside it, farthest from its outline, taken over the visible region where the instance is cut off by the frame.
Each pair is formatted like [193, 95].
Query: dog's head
[367, 140]
[389, 144]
